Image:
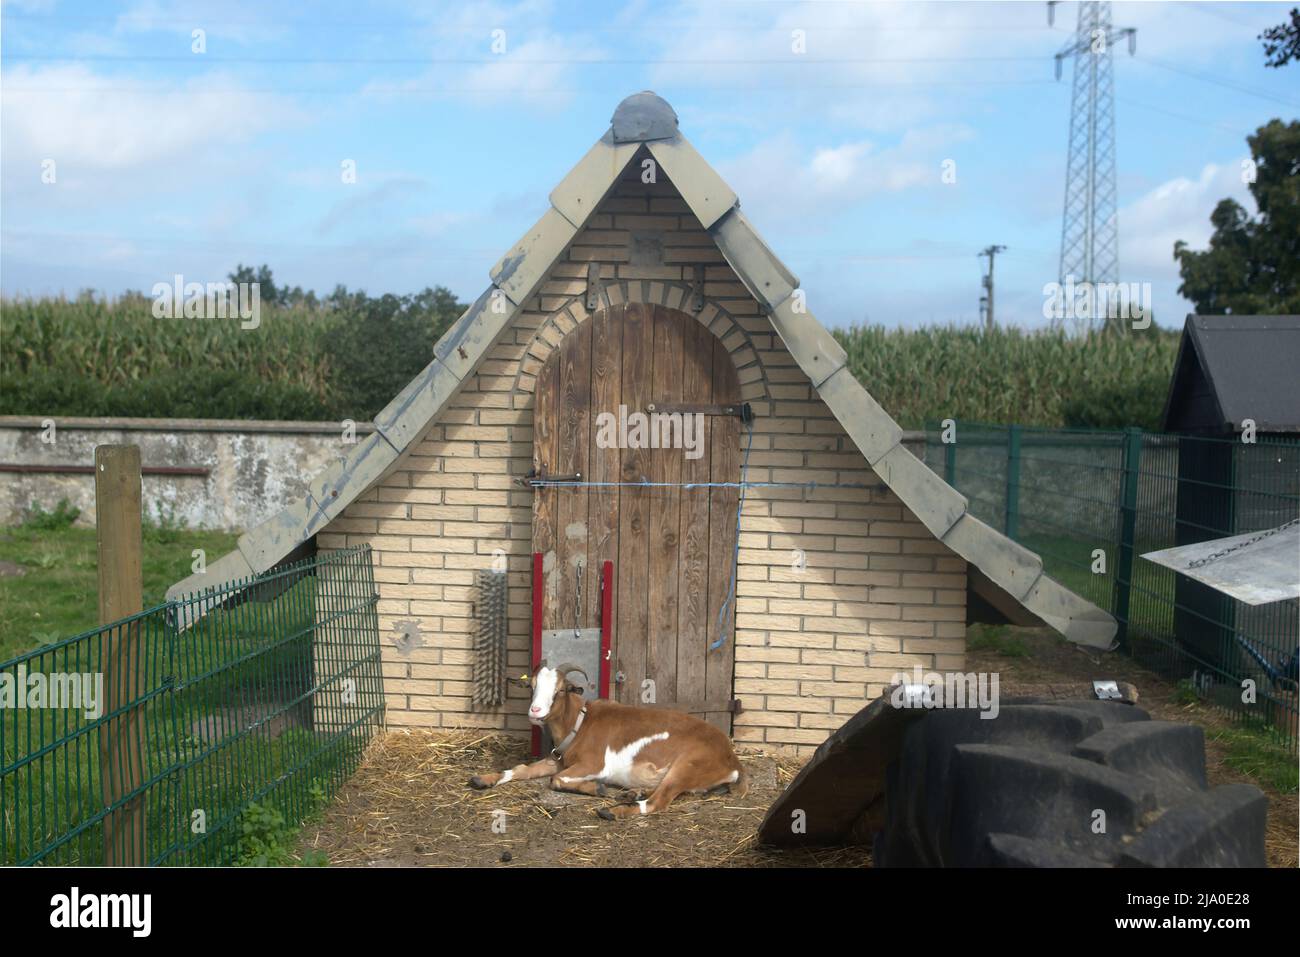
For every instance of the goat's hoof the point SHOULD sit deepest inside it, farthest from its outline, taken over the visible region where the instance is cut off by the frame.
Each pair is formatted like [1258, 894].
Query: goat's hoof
[604, 813]
[478, 784]
[600, 789]
[629, 797]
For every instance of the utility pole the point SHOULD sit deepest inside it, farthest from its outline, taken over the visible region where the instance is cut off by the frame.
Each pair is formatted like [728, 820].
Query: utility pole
[1089, 231]
[986, 300]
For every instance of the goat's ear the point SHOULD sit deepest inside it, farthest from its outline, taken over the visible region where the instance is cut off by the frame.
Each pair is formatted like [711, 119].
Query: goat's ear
[570, 686]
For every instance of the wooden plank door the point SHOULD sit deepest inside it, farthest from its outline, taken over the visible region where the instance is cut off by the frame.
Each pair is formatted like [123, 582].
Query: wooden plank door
[673, 548]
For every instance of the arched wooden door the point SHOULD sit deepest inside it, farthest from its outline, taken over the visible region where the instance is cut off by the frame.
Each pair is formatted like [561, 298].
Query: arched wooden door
[673, 549]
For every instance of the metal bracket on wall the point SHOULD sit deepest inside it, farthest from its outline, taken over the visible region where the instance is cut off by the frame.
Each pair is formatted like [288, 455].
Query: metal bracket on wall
[593, 286]
[535, 476]
[697, 289]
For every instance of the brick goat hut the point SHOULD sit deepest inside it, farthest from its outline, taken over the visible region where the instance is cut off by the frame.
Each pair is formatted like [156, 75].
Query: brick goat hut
[645, 286]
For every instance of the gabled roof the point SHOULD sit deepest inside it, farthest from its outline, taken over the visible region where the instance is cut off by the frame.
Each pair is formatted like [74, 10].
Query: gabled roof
[1233, 368]
[646, 120]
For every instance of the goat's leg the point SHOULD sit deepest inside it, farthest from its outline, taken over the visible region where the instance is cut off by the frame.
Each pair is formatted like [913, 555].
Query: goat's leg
[683, 775]
[520, 772]
[579, 778]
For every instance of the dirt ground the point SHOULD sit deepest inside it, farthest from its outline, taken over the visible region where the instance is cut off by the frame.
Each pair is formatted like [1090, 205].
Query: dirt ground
[408, 804]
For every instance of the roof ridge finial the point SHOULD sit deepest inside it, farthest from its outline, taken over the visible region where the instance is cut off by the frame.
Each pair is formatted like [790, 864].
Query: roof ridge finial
[643, 116]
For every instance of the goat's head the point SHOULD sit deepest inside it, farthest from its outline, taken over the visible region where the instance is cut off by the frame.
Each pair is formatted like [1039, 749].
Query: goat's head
[549, 687]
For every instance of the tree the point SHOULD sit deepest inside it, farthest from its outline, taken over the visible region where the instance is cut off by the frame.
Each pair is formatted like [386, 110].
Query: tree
[1253, 265]
[266, 292]
[1282, 42]
[380, 344]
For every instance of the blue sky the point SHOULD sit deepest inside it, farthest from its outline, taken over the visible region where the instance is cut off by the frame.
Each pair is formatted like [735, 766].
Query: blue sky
[170, 161]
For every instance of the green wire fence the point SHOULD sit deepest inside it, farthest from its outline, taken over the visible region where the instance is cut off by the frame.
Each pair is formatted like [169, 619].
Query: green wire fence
[1091, 503]
[144, 741]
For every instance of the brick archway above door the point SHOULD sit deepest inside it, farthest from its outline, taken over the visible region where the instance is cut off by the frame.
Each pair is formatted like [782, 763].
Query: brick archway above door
[751, 372]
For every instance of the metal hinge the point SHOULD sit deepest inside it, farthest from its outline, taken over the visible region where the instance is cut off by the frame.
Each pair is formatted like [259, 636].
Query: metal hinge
[697, 289]
[741, 410]
[593, 286]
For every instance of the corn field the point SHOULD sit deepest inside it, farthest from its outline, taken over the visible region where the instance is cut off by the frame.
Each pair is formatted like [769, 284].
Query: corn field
[92, 357]
[1044, 378]
[116, 343]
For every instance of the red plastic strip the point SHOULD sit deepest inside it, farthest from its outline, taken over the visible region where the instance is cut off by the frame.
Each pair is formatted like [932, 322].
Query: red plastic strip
[606, 623]
[537, 637]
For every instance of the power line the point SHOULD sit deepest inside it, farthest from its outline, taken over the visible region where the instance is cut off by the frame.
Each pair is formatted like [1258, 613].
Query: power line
[1211, 10]
[790, 60]
[1227, 84]
[1235, 131]
[398, 87]
[675, 27]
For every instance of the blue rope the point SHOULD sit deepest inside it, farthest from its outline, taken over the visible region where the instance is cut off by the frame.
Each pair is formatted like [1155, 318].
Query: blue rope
[547, 483]
[735, 555]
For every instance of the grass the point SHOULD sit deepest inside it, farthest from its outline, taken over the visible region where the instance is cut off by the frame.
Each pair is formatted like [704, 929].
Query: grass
[57, 597]
[1255, 749]
[243, 723]
[995, 640]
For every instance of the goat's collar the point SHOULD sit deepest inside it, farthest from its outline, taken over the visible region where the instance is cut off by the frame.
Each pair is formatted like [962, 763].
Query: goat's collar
[557, 752]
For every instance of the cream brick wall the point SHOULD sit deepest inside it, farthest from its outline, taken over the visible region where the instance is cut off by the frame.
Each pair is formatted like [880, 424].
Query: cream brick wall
[837, 589]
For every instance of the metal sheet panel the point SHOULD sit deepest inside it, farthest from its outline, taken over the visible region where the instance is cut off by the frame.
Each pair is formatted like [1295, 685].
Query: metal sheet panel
[561, 645]
[1255, 568]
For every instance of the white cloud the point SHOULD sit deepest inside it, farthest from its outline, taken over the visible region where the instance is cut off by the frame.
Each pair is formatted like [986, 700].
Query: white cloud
[877, 66]
[524, 58]
[786, 182]
[1177, 209]
[99, 123]
[240, 21]
[1174, 210]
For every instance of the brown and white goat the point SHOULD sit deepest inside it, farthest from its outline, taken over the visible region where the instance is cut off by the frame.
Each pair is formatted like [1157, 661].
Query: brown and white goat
[603, 742]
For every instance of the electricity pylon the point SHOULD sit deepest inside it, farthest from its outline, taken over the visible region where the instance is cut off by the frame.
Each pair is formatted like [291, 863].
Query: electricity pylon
[1089, 227]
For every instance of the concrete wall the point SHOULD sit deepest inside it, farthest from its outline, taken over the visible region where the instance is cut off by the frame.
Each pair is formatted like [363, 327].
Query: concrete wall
[254, 468]
[813, 645]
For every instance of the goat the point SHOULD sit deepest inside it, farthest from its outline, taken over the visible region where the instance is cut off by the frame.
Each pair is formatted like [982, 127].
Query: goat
[603, 742]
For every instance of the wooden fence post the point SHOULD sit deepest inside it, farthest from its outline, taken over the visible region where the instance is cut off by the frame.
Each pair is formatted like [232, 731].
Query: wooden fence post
[121, 739]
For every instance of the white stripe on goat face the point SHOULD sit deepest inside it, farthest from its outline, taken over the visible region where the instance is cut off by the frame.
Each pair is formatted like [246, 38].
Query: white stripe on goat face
[545, 683]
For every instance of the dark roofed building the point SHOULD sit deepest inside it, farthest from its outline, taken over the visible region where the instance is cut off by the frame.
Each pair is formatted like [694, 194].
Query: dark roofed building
[1234, 368]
